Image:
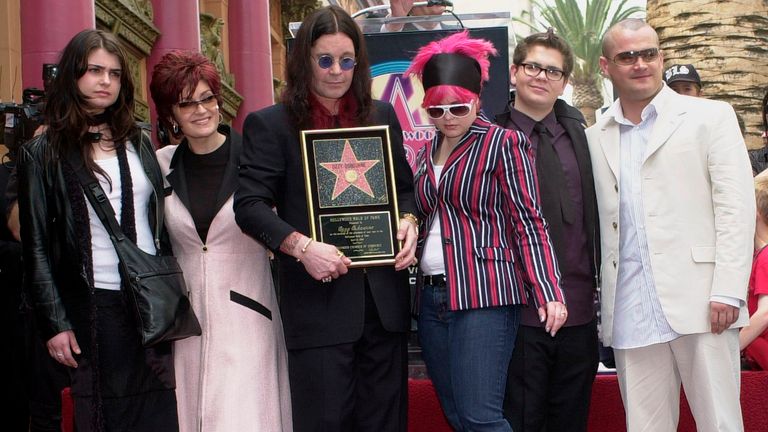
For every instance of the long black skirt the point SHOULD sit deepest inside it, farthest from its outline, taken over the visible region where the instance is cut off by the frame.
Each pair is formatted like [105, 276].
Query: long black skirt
[132, 386]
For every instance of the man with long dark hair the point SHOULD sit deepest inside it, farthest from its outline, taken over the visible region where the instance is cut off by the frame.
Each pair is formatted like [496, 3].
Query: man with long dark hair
[345, 328]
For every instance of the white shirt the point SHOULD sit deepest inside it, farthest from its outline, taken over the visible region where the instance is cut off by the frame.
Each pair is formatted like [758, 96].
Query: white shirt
[638, 318]
[105, 271]
[432, 260]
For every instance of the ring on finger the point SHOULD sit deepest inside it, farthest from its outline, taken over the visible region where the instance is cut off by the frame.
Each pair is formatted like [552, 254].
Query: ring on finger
[562, 313]
[327, 279]
[59, 355]
[340, 253]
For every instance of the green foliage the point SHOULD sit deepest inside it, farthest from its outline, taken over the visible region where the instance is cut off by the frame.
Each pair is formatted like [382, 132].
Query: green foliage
[296, 11]
[583, 31]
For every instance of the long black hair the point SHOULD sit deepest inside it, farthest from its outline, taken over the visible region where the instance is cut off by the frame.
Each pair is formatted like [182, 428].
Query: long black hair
[66, 109]
[325, 21]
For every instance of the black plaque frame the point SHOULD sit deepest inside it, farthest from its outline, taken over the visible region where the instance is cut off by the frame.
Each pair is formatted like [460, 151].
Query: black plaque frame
[360, 215]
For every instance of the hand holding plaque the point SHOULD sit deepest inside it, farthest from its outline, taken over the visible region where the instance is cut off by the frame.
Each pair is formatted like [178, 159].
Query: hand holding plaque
[351, 194]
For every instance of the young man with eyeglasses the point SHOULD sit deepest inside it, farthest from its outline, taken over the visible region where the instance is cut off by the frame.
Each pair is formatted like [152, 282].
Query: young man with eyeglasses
[677, 218]
[550, 376]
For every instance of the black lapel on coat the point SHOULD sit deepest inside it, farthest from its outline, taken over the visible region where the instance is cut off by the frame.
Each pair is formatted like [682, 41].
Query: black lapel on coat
[230, 180]
[176, 177]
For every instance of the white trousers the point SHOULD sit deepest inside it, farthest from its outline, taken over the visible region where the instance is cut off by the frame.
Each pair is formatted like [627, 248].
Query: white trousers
[708, 367]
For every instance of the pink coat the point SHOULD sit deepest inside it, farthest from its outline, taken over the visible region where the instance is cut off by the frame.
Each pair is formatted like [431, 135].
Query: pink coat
[234, 377]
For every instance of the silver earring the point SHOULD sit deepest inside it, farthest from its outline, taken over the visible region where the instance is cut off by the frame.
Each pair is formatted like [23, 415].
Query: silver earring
[221, 118]
[175, 128]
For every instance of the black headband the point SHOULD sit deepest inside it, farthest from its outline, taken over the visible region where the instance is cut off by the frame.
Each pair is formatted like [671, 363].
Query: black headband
[452, 69]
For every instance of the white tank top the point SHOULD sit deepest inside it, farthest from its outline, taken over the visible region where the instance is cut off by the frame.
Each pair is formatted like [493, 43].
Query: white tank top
[105, 271]
[432, 261]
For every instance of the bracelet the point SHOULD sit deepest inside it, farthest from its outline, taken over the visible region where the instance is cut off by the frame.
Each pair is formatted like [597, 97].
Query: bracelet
[304, 248]
[410, 217]
[306, 245]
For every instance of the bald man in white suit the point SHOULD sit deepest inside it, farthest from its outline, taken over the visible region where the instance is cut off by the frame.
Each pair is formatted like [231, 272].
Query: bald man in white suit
[677, 218]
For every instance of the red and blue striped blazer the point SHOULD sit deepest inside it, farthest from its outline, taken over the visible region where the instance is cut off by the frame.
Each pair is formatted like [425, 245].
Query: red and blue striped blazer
[495, 243]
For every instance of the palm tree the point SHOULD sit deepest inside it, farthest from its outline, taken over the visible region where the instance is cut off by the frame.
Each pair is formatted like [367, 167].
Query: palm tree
[728, 45]
[584, 32]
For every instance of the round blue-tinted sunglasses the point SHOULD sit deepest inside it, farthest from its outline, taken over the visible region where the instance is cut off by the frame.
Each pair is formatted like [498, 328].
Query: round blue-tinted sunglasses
[325, 61]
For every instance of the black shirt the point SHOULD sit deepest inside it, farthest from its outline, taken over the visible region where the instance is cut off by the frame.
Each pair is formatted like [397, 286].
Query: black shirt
[572, 252]
[204, 174]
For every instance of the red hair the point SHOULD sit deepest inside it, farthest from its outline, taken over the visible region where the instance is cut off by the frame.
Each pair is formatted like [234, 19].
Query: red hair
[458, 43]
[175, 78]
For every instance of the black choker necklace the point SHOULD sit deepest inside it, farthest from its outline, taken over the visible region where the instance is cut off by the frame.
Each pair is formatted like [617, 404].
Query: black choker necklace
[98, 119]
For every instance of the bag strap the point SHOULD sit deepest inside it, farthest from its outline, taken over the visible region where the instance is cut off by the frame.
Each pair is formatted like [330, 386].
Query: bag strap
[151, 167]
[98, 199]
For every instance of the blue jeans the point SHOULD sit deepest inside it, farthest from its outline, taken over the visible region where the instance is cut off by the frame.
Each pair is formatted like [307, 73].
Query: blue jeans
[467, 354]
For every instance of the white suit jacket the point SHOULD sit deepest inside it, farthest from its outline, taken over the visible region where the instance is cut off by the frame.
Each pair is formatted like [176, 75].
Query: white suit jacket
[699, 205]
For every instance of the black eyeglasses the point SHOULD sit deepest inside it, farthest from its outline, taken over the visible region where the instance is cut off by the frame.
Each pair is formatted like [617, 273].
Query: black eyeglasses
[191, 105]
[325, 61]
[457, 110]
[628, 58]
[533, 70]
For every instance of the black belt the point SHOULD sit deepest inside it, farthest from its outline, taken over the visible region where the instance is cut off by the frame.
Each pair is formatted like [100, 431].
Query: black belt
[434, 280]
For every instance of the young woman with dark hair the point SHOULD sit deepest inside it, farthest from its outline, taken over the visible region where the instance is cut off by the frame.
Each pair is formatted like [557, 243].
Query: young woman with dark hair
[227, 272]
[345, 328]
[70, 265]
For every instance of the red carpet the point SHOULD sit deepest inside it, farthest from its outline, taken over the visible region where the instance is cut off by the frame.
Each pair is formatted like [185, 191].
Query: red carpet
[606, 412]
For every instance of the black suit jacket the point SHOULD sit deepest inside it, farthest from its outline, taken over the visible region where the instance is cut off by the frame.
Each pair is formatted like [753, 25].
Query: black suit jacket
[573, 122]
[271, 175]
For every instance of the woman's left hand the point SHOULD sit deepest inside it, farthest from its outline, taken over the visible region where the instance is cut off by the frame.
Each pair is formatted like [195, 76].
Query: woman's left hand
[407, 234]
[555, 314]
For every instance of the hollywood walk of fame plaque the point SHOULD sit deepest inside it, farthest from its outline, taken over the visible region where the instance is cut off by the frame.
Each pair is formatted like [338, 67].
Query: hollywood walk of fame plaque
[351, 193]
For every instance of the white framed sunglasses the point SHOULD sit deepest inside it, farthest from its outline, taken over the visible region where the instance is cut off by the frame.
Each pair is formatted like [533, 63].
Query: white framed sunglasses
[457, 110]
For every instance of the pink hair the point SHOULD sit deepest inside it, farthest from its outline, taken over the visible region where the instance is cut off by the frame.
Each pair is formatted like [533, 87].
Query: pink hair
[458, 43]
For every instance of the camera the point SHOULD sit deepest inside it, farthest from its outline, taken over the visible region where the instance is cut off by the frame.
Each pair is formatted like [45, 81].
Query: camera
[21, 120]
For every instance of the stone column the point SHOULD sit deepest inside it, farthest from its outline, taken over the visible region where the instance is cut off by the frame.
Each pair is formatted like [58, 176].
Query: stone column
[179, 25]
[46, 28]
[250, 57]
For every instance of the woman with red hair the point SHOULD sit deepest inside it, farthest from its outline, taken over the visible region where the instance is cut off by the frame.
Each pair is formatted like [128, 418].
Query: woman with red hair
[483, 246]
[227, 272]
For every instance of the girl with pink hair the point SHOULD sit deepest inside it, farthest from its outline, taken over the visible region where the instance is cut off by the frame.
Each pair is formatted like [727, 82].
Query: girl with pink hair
[483, 246]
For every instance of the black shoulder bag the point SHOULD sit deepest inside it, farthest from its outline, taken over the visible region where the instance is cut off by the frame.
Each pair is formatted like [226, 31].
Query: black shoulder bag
[153, 284]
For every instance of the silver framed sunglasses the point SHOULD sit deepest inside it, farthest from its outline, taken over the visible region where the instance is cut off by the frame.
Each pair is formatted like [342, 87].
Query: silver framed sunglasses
[191, 105]
[346, 63]
[628, 58]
